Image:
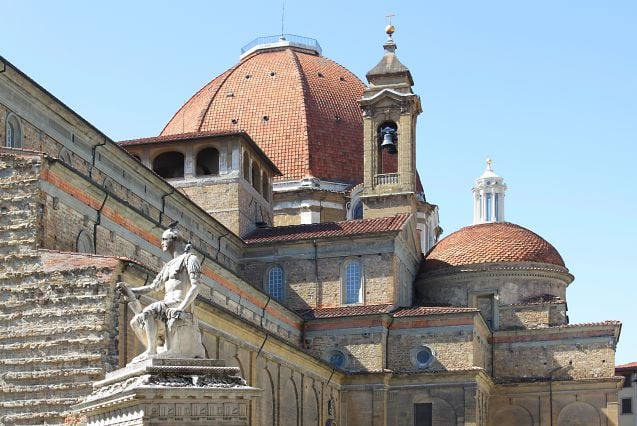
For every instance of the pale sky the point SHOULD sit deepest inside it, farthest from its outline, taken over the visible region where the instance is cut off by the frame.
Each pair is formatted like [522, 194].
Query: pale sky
[547, 89]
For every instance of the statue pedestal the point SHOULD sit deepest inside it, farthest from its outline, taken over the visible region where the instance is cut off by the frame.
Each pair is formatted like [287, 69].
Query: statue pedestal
[170, 392]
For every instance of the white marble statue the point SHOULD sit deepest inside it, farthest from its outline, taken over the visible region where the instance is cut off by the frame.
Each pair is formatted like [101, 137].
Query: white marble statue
[168, 328]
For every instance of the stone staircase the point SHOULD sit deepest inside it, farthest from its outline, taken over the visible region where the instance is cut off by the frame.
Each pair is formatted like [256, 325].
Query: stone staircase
[57, 321]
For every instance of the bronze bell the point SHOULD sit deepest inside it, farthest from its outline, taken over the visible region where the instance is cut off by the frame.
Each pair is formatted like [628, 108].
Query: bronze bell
[388, 140]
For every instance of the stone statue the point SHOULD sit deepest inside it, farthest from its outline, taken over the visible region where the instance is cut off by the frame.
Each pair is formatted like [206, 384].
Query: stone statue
[168, 328]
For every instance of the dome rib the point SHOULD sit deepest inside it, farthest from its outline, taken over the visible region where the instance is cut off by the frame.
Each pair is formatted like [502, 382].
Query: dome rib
[304, 96]
[300, 108]
[224, 77]
[497, 242]
[220, 79]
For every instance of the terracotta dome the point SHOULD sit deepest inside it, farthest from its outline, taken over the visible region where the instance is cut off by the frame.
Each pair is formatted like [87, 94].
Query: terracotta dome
[491, 243]
[301, 108]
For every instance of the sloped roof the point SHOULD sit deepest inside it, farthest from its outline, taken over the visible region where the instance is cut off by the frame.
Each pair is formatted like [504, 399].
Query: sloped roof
[327, 229]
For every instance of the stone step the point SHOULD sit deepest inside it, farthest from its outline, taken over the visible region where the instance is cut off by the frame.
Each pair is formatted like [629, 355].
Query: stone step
[22, 410]
[42, 361]
[52, 374]
[22, 300]
[18, 182]
[10, 280]
[53, 312]
[57, 348]
[52, 332]
[16, 261]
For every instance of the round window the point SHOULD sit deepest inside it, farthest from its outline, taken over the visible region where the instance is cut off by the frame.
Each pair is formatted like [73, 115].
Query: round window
[422, 356]
[336, 358]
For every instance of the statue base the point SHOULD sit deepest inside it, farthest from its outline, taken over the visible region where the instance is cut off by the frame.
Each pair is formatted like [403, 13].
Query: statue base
[170, 392]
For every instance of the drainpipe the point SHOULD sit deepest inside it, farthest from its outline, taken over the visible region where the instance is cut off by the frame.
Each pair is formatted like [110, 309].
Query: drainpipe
[98, 221]
[94, 149]
[163, 203]
[316, 277]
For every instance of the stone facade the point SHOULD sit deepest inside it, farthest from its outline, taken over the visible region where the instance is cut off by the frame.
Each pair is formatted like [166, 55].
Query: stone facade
[483, 344]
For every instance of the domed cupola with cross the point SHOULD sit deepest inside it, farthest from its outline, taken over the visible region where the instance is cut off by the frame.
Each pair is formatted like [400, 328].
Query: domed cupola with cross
[389, 109]
[488, 197]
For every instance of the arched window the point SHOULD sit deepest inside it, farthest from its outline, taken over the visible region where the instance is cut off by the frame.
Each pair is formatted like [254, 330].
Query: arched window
[84, 243]
[275, 282]
[246, 167]
[169, 165]
[352, 283]
[256, 177]
[207, 162]
[13, 138]
[357, 211]
[65, 156]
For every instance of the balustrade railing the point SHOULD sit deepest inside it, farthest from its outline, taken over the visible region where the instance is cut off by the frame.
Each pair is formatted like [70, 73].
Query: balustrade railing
[386, 179]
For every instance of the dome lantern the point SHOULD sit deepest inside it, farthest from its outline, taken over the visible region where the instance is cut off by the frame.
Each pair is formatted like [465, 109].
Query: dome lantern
[488, 197]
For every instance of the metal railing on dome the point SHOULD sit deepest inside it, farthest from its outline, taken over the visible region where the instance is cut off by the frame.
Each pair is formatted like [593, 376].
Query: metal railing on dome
[310, 43]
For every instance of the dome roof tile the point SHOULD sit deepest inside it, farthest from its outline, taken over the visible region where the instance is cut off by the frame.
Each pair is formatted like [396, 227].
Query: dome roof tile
[491, 243]
[300, 108]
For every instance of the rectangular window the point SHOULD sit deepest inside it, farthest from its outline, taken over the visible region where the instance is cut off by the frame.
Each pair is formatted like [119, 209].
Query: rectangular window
[423, 414]
[627, 405]
[353, 287]
[496, 207]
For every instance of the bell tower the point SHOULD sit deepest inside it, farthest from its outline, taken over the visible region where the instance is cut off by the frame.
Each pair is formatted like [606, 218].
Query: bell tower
[390, 109]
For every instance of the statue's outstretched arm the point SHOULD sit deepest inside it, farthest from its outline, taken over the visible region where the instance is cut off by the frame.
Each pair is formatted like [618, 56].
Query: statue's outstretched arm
[132, 293]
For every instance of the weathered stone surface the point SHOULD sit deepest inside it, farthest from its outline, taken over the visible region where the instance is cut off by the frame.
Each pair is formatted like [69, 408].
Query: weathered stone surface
[170, 391]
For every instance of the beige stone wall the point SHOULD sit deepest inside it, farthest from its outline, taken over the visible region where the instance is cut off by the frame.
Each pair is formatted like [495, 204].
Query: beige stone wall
[302, 291]
[580, 356]
[512, 287]
[532, 316]
[452, 348]
[560, 403]
[364, 351]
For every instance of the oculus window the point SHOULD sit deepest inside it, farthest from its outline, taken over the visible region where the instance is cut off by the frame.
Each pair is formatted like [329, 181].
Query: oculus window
[422, 356]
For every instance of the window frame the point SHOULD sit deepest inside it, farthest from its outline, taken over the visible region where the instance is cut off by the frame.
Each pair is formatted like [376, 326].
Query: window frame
[630, 406]
[345, 281]
[12, 122]
[266, 284]
[413, 356]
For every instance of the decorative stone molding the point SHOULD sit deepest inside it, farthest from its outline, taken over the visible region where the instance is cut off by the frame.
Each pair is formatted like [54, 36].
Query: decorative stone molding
[165, 391]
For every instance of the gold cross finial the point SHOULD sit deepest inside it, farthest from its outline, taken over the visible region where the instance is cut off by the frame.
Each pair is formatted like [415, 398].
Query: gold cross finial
[389, 29]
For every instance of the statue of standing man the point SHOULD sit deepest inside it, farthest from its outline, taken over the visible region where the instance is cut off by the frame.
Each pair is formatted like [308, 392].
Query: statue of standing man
[168, 327]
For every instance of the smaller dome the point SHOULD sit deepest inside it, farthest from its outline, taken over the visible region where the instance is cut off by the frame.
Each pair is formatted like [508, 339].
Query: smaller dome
[491, 243]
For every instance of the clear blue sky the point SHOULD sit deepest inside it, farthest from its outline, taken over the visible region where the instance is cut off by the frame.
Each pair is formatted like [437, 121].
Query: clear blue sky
[548, 89]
